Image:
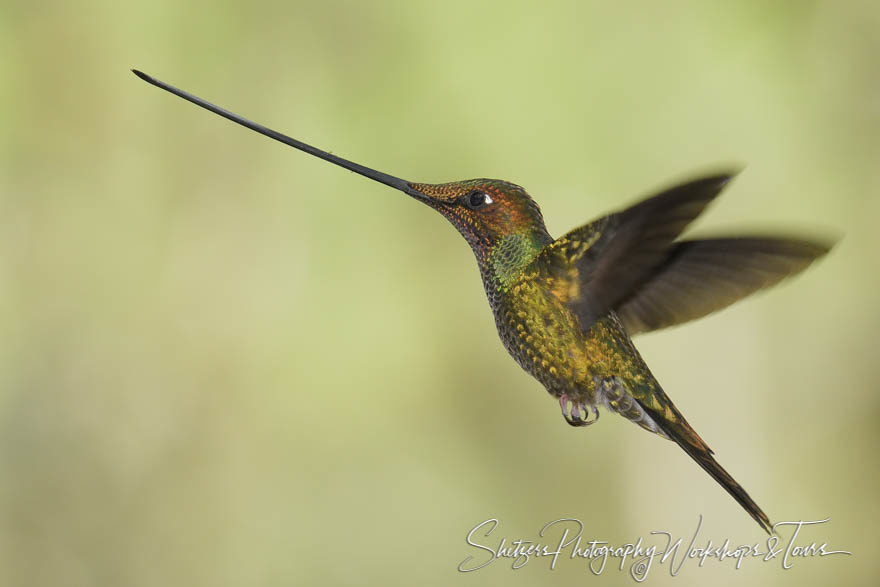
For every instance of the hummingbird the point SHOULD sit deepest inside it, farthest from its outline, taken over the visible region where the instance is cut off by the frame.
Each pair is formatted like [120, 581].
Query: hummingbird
[566, 308]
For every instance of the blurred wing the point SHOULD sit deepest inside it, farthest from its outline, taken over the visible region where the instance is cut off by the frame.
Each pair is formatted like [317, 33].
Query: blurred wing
[702, 276]
[595, 267]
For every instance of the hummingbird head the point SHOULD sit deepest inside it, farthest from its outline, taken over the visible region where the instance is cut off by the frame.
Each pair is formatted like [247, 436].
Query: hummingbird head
[484, 211]
[494, 216]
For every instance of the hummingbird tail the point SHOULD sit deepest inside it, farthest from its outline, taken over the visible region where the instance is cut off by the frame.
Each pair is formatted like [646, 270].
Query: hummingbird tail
[703, 456]
[639, 397]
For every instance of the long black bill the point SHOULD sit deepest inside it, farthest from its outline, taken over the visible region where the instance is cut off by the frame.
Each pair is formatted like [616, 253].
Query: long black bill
[389, 180]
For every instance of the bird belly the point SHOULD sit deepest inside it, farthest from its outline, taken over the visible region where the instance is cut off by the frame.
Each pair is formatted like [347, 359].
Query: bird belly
[541, 334]
[599, 368]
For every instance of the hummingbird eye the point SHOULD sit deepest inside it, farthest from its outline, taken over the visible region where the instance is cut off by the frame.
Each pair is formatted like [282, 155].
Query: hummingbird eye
[476, 199]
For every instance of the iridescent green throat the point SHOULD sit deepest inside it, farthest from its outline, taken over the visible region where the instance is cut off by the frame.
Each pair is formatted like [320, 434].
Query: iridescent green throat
[513, 252]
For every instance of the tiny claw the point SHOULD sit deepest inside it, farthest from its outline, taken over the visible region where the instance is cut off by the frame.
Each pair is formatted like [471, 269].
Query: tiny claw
[577, 413]
[563, 403]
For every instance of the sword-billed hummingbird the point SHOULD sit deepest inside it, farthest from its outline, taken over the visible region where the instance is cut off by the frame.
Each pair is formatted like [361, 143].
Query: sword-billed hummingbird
[565, 309]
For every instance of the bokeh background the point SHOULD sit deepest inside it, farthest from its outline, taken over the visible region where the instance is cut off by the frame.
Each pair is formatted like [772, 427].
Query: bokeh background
[223, 362]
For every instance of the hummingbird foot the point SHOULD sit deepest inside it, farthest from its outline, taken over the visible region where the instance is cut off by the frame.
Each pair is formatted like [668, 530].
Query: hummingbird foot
[577, 413]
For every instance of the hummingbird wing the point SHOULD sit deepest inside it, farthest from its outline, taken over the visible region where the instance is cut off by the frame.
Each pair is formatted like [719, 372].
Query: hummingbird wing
[596, 267]
[699, 277]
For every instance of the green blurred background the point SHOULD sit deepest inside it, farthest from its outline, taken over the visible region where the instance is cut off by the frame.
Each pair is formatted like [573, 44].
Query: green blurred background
[223, 362]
